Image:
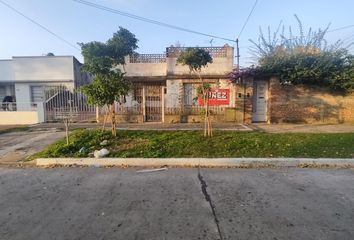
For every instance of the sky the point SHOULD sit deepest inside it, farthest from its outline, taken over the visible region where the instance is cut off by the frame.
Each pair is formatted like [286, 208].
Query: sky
[77, 23]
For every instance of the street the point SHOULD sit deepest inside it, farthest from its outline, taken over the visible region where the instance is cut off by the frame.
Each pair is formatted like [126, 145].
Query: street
[113, 203]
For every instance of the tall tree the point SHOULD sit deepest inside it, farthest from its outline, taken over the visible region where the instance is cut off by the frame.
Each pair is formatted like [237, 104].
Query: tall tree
[101, 60]
[196, 59]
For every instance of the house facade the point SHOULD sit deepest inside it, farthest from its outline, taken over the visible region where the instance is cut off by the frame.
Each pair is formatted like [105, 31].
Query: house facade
[26, 83]
[164, 91]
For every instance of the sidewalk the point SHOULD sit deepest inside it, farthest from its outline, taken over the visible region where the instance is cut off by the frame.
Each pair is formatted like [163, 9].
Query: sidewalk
[148, 126]
[271, 128]
[303, 128]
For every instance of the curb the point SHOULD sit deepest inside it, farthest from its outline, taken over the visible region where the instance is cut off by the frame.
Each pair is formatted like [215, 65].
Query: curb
[18, 164]
[202, 162]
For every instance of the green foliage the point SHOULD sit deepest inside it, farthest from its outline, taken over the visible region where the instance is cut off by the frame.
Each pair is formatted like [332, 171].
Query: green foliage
[195, 58]
[205, 87]
[89, 139]
[106, 88]
[332, 69]
[192, 144]
[100, 57]
[302, 59]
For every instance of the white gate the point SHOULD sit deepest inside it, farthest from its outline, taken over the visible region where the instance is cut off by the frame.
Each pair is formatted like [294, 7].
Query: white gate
[59, 100]
[260, 101]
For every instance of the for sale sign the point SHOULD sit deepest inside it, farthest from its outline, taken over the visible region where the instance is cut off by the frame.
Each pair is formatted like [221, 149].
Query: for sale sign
[216, 97]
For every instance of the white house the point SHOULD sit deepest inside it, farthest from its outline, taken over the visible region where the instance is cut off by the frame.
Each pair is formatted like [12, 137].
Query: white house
[27, 81]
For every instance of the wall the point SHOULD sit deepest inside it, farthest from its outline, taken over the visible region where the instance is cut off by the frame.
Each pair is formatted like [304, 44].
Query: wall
[144, 69]
[17, 118]
[37, 69]
[308, 104]
[6, 72]
[220, 66]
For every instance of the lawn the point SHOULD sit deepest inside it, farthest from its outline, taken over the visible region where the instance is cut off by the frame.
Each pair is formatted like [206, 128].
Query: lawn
[192, 144]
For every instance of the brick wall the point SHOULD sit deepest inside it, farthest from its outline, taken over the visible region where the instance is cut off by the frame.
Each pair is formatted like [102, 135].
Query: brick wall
[308, 104]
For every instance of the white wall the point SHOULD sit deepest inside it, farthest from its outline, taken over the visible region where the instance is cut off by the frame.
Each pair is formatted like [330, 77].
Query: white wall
[6, 71]
[57, 68]
[23, 96]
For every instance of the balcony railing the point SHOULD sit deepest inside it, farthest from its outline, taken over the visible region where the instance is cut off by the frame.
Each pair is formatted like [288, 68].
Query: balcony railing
[18, 106]
[147, 58]
[215, 52]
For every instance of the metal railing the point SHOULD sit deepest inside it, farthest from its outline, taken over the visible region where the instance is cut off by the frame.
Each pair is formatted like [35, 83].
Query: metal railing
[193, 110]
[18, 106]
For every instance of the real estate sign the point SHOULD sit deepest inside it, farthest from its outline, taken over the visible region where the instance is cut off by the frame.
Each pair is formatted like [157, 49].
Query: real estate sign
[217, 97]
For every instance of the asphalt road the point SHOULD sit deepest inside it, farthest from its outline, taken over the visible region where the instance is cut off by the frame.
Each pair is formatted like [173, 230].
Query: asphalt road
[112, 203]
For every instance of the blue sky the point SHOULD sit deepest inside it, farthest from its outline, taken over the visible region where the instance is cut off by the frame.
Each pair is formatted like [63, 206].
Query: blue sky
[80, 23]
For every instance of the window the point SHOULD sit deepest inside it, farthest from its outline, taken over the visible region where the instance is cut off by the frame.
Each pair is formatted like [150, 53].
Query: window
[37, 94]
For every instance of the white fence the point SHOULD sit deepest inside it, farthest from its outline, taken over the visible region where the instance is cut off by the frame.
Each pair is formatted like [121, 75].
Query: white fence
[18, 113]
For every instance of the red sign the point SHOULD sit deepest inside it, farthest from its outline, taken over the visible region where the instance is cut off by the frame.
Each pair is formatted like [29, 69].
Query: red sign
[216, 97]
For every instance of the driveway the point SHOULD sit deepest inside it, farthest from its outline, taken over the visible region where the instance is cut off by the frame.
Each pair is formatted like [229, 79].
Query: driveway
[16, 146]
[112, 203]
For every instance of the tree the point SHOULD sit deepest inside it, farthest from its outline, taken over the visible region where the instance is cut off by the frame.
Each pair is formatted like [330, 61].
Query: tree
[302, 59]
[101, 60]
[196, 59]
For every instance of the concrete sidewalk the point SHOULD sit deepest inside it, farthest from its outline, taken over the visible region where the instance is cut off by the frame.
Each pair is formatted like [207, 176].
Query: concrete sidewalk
[303, 128]
[272, 128]
[148, 126]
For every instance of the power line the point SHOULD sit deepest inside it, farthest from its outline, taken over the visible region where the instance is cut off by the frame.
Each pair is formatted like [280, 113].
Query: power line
[341, 28]
[39, 25]
[143, 19]
[248, 17]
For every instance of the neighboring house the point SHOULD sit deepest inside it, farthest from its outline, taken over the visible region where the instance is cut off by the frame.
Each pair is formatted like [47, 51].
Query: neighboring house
[164, 91]
[31, 81]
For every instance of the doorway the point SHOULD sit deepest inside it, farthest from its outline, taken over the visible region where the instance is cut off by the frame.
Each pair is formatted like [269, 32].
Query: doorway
[260, 101]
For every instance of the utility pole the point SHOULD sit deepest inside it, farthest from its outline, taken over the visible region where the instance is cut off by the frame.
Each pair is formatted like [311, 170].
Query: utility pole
[237, 55]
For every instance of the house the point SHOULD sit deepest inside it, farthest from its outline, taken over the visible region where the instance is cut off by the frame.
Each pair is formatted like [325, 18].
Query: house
[164, 91]
[27, 82]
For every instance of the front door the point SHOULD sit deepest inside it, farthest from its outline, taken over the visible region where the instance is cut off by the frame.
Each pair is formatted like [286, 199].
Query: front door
[153, 103]
[260, 100]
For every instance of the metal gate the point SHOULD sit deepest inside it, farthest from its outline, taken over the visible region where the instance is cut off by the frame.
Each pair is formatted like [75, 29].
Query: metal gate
[153, 108]
[60, 101]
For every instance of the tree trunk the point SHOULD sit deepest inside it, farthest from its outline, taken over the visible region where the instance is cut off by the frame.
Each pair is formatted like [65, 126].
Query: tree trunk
[66, 123]
[207, 121]
[105, 118]
[113, 118]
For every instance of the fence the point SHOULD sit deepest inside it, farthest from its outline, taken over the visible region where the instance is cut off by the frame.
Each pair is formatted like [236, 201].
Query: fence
[193, 110]
[215, 52]
[62, 101]
[312, 110]
[19, 106]
[21, 113]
